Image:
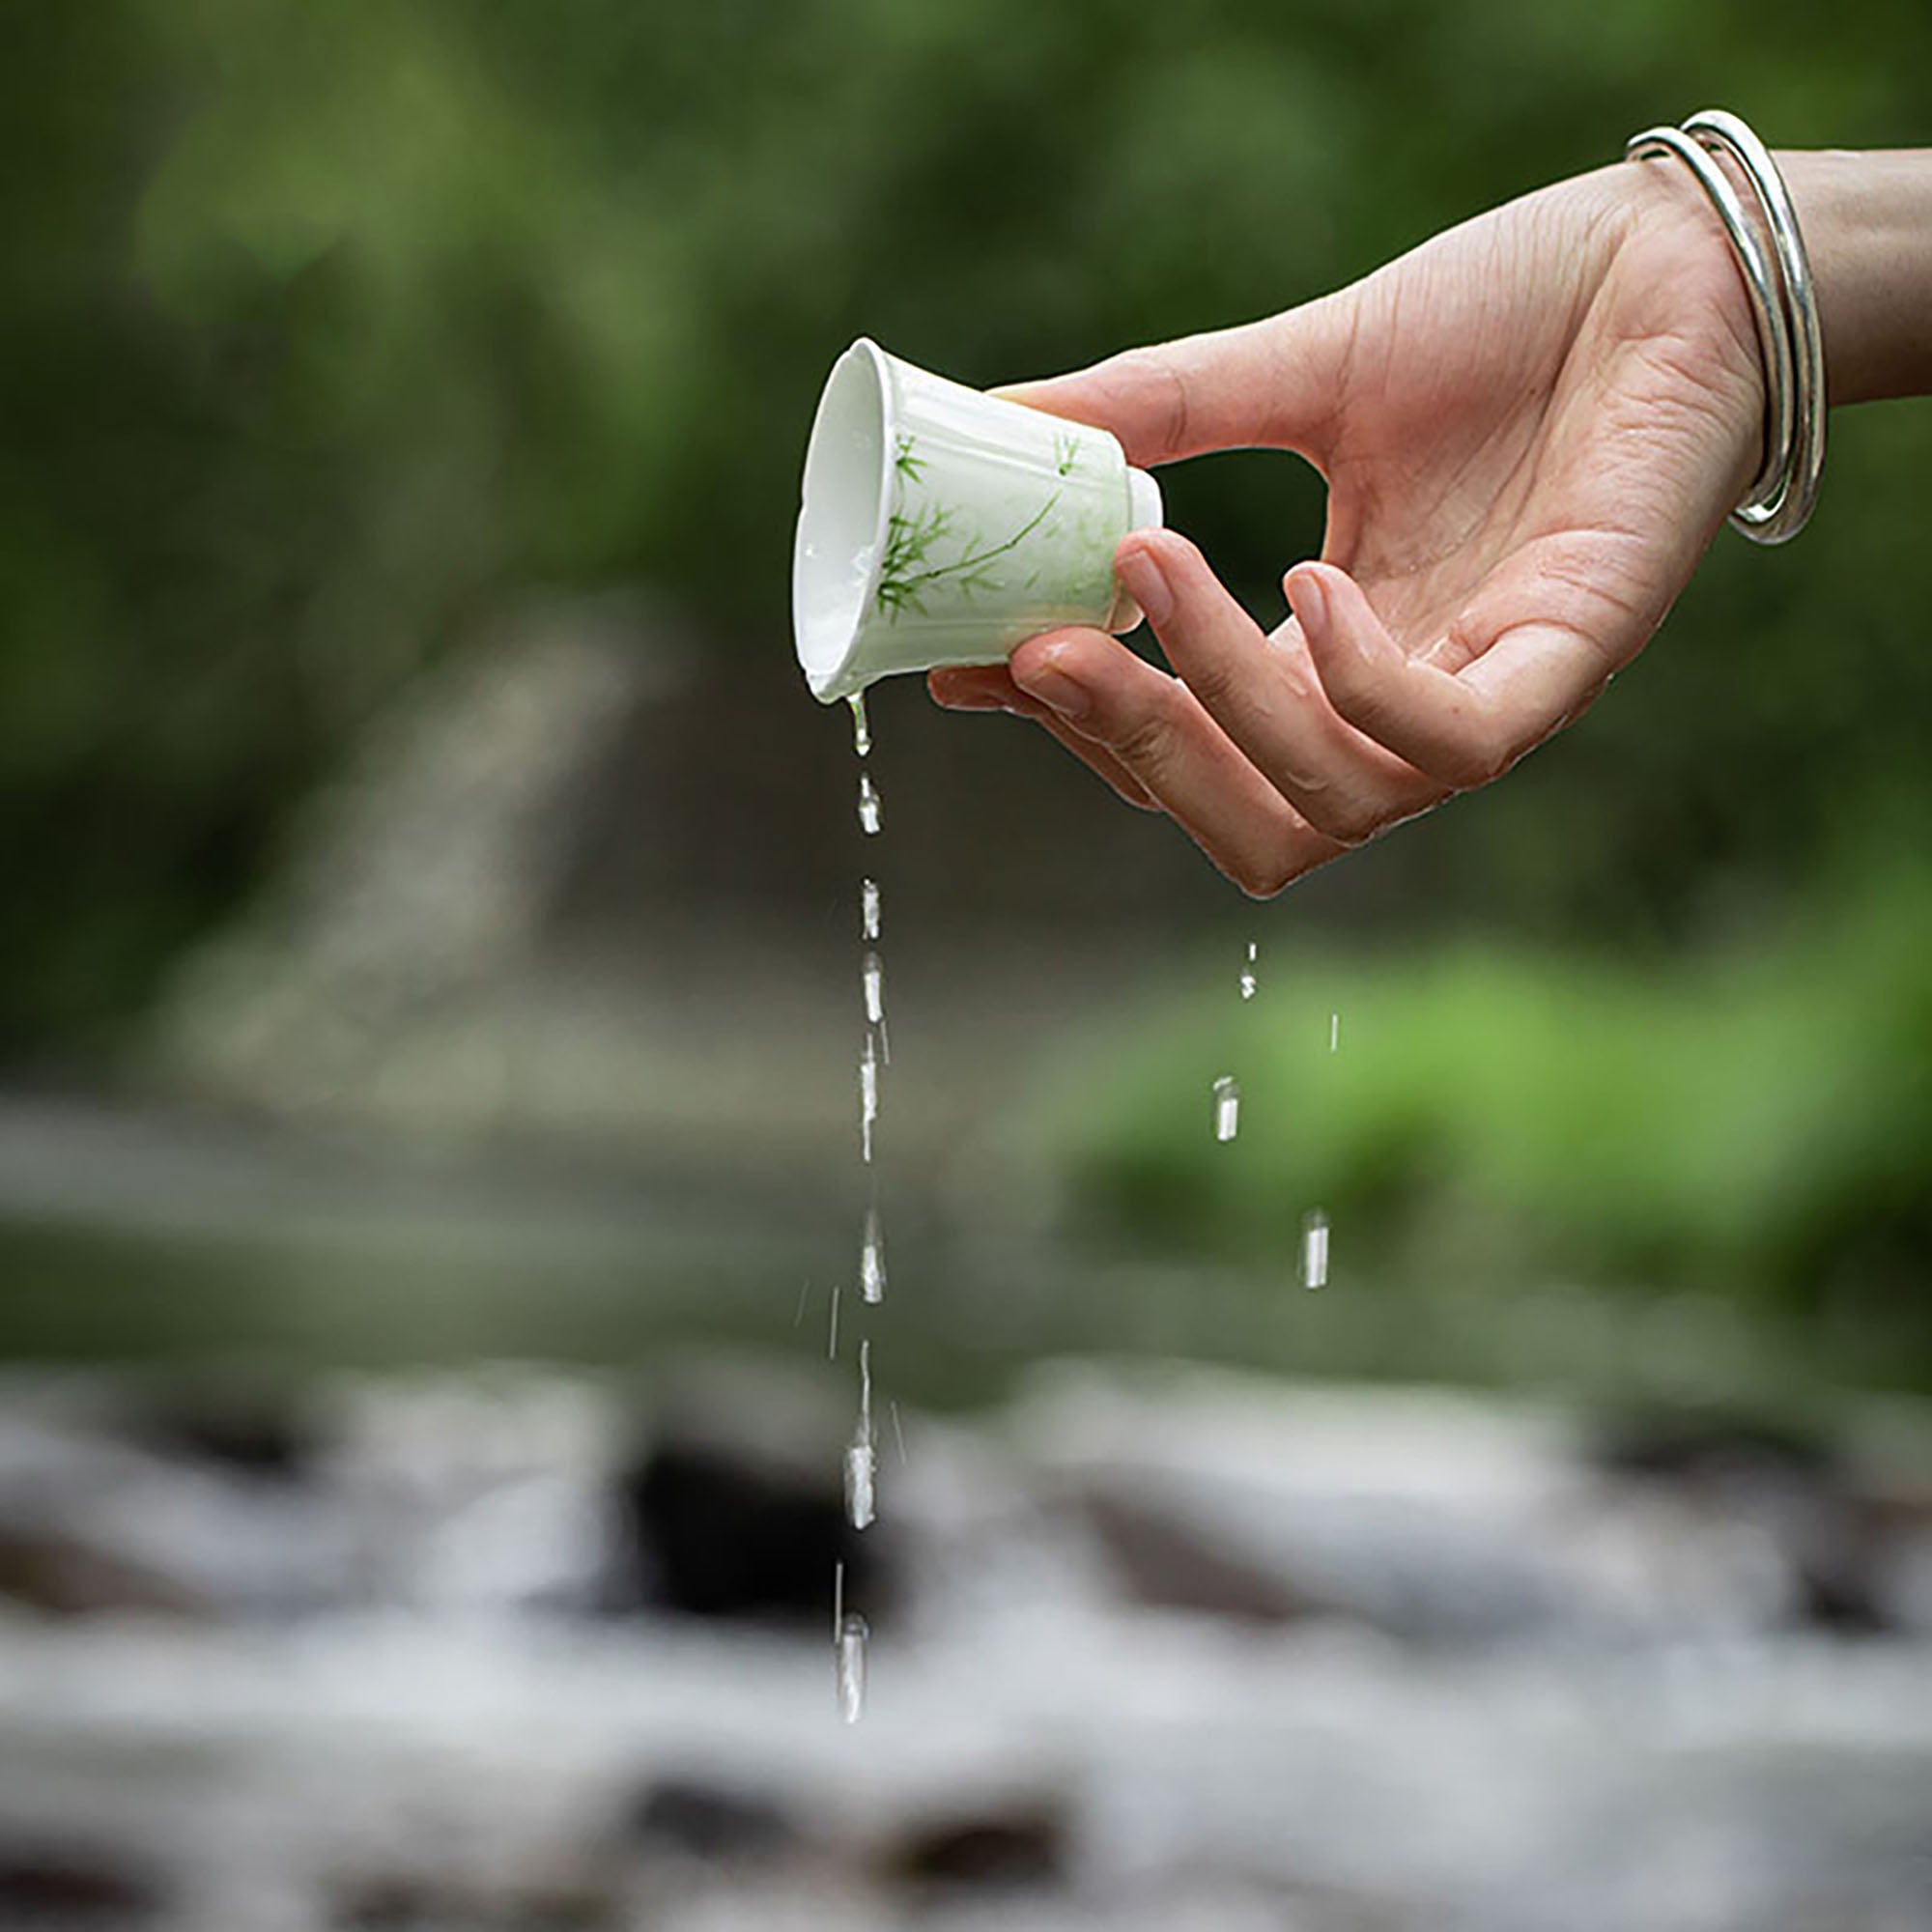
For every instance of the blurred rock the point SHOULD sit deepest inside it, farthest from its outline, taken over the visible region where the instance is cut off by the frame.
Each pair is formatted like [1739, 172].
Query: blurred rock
[424, 1902]
[1423, 1514]
[713, 1821]
[1007, 1851]
[104, 1525]
[62, 1574]
[1168, 1564]
[716, 1532]
[53, 1887]
[1786, 1482]
[257, 1434]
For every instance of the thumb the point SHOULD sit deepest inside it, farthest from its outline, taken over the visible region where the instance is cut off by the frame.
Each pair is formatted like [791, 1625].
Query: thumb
[1274, 385]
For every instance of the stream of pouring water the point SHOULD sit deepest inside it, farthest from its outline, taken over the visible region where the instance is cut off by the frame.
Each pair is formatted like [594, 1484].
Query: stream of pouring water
[860, 1463]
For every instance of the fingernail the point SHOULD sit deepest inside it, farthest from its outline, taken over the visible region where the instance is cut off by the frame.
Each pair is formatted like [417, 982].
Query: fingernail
[1047, 681]
[1308, 597]
[1147, 584]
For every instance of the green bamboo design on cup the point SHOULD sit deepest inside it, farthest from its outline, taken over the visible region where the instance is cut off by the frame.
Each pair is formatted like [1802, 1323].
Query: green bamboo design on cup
[943, 526]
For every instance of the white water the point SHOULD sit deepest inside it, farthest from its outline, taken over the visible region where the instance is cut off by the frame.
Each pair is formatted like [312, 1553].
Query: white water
[1315, 1250]
[1248, 974]
[868, 1096]
[872, 977]
[861, 731]
[869, 810]
[1334, 1031]
[1227, 1108]
[868, 908]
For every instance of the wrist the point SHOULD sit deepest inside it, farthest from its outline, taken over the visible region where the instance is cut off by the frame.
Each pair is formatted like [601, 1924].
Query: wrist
[1867, 225]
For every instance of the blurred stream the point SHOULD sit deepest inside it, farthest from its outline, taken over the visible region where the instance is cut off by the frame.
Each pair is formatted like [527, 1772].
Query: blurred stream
[304, 1623]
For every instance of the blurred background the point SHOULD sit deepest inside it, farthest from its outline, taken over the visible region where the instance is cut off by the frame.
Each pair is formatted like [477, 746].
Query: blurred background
[430, 1200]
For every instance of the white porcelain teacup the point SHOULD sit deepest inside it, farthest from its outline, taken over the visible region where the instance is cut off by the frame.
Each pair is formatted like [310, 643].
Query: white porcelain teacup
[944, 526]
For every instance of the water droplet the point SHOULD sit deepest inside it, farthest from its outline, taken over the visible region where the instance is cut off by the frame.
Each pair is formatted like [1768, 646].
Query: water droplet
[862, 1456]
[1227, 1108]
[861, 1468]
[853, 1635]
[1315, 1249]
[832, 1338]
[899, 1433]
[872, 1259]
[861, 731]
[868, 1096]
[1247, 986]
[872, 975]
[868, 804]
[868, 908]
[1334, 1031]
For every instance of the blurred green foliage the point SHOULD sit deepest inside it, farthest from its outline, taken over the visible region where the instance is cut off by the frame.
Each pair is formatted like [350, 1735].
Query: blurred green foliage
[1754, 1124]
[323, 328]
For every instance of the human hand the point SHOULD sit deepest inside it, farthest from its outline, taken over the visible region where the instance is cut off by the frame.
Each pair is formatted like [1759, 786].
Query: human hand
[1531, 428]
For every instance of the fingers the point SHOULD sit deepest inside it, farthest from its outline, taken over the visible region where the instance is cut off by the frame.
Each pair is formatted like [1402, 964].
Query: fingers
[1265, 695]
[1158, 730]
[1463, 727]
[1274, 384]
[989, 688]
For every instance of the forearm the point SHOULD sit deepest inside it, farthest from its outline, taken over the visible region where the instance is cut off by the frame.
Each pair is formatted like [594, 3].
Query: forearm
[1867, 225]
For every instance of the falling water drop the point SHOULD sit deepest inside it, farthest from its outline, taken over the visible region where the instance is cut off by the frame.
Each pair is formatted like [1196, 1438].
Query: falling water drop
[1227, 1108]
[832, 1331]
[872, 1259]
[868, 1096]
[1334, 1031]
[852, 1636]
[868, 908]
[861, 731]
[1248, 974]
[868, 804]
[1315, 1250]
[873, 975]
[862, 1456]
[860, 1466]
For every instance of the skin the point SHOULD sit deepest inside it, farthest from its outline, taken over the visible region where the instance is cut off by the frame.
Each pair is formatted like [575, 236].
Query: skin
[1531, 428]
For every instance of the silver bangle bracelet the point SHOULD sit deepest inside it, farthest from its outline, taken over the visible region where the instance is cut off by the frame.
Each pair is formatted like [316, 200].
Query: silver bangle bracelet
[1783, 305]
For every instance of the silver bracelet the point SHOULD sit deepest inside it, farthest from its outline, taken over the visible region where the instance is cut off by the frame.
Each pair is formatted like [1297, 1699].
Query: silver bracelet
[1783, 306]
